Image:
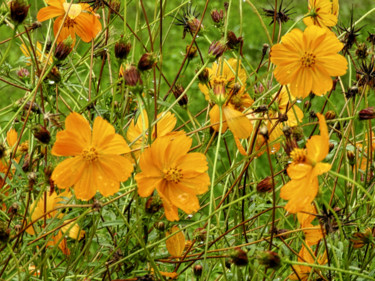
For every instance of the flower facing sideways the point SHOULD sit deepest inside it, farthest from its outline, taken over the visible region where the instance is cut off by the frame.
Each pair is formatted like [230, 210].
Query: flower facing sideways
[97, 164]
[322, 13]
[177, 175]
[307, 60]
[301, 190]
[80, 20]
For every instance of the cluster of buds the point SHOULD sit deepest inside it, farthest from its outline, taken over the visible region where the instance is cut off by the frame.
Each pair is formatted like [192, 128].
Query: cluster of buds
[217, 17]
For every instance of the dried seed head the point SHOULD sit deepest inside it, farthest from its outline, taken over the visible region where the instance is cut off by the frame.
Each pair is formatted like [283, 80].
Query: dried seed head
[197, 269]
[239, 257]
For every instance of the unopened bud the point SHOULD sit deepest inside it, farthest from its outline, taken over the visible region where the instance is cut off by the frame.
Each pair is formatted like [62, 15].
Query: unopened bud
[216, 50]
[269, 259]
[197, 269]
[234, 42]
[217, 16]
[153, 205]
[18, 11]
[265, 49]
[159, 225]
[352, 92]
[115, 5]
[147, 61]
[331, 147]
[63, 49]
[239, 257]
[122, 49]
[264, 132]
[330, 115]
[13, 209]
[192, 53]
[265, 185]
[177, 91]
[4, 231]
[131, 76]
[23, 73]
[351, 157]
[361, 239]
[41, 134]
[367, 113]
[204, 76]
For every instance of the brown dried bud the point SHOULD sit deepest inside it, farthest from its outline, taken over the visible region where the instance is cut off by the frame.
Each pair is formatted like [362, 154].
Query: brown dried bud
[367, 113]
[153, 205]
[204, 76]
[35, 25]
[239, 257]
[265, 49]
[361, 51]
[217, 16]
[18, 11]
[287, 131]
[331, 146]
[330, 115]
[352, 92]
[200, 234]
[351, 157]
[193, 24]
[96, 206]
[122, 48]
[192, 53]
[361, 239]
[197, 269]
[54, 75]
[147, 61]
[32, 177]
[41, 134]
[283, 117]
[177, 91]
[265, 185]
[216, 50]
[234, 42]
[159, 226]
[63, 49]
[269, 259]
[260, 109]
[18, 227]
[13, 209]
[132, 76]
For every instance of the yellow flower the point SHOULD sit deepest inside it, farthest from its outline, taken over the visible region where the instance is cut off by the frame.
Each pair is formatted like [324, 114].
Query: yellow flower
[176, 243]
[80, 20]
[304, 170]
[135, 130]
[97, 164]
[303, 271]
[41, 57]
[221, 87]
[364, 157]
[50, 204]
[307, 60]
[313, 234]
[322, 13]
[177, 175]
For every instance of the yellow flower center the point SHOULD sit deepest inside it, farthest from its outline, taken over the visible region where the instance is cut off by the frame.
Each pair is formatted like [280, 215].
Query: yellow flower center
[173, 174]
[74, 11]
[308, 59]
[298, 155]
[90, 154]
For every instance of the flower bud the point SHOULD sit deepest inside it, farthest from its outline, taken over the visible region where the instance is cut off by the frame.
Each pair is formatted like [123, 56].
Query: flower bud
[331, 147]
[23, 73]
[18, 11]
[3, 151]
[41, 134]
[330, 115]
[361, 239]
[197, 269]
[131, 76]
[54, 75]
[63, 49]
[177, 91]
[264, 132]
[265, 49]
[216, 50]
[122, 48]
[204, 76]
[147, 61]
[367, 113]
[234, 42]
[351, 157]
[217, 16]
[265, 185]
[192, 53]
[352, 92]
[32, 177]
[159, 225]
[239, 257]
[269, 259]
[153, 205]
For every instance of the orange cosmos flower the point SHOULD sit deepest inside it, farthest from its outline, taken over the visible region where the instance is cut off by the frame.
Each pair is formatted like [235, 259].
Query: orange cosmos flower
[177, 175]
[53, 201]
[176, 243]
[221, 88]
[307, 60]
[138, 132]
[304, 171]
[80, 20]
[322, 13]
[313, 234]
[97, 164]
